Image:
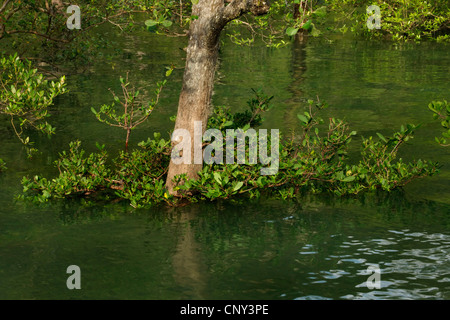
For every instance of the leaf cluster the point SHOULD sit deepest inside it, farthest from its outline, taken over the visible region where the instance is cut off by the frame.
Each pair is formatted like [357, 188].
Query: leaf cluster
[400, 20]
[25, 96]
[310, 161]
[314, 163]
[78, 174]
[2, 165]
[441, 112]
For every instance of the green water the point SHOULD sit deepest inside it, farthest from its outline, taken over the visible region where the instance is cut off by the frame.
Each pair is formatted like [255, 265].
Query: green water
[317, 248]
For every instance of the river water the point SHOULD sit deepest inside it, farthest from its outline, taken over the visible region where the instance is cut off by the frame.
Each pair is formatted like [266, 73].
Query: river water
[318, 247]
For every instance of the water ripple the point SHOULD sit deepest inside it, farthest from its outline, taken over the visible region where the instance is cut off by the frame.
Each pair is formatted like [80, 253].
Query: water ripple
[412, 265]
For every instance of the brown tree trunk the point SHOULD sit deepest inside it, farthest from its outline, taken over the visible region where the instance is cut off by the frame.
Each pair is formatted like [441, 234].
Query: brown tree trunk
[201, 61]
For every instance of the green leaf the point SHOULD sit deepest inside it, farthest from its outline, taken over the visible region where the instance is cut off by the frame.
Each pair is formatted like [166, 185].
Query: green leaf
[151, 23]
[218, 178]
[381, 137]
[291, 31]
[314, 31]
[321, 12]
[302, 118]
[166, 23]
[307, 25]
[238, 186]
[348, 179]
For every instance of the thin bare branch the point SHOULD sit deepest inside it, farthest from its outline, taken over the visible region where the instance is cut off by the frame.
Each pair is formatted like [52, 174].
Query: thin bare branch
[4, 5]
[39, 35]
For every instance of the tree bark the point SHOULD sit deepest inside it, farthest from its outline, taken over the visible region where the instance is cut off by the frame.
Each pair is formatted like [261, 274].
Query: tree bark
[201, 61]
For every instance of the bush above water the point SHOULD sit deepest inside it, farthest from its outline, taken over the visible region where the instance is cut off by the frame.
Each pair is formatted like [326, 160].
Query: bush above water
[310, 162]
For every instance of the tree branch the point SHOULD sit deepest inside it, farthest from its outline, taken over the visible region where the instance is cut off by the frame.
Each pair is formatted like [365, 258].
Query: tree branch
[4, 5]
[239, 7]
[38, 34]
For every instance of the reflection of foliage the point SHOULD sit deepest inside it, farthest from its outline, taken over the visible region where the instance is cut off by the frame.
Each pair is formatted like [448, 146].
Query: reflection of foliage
[309, 163]
[25, 96]
[223, 118]
[400, 20]
[244, 225]
[441, 112]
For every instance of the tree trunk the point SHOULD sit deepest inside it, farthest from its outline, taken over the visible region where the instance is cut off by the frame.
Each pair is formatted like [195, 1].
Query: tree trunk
[198, 80]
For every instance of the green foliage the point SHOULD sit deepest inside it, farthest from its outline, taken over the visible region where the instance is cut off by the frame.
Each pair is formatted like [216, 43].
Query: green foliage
[400, 20]
[304, 17]
[309, 162]
[285, 18]
[441, 112]
[314, 163]
[2, 165]
[165, 12]
[379, 166]
[160, 20]
[139, 174]
[135, 176]
[78, 175]
[25, 96]
[134, 113]
[38, 27]
[44, 35]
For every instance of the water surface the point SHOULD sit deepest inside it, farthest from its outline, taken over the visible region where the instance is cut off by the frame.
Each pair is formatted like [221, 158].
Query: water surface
[315, 248]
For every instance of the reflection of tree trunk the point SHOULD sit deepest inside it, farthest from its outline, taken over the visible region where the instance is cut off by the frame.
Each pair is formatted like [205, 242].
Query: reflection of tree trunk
[189, 272]
[298, 67]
